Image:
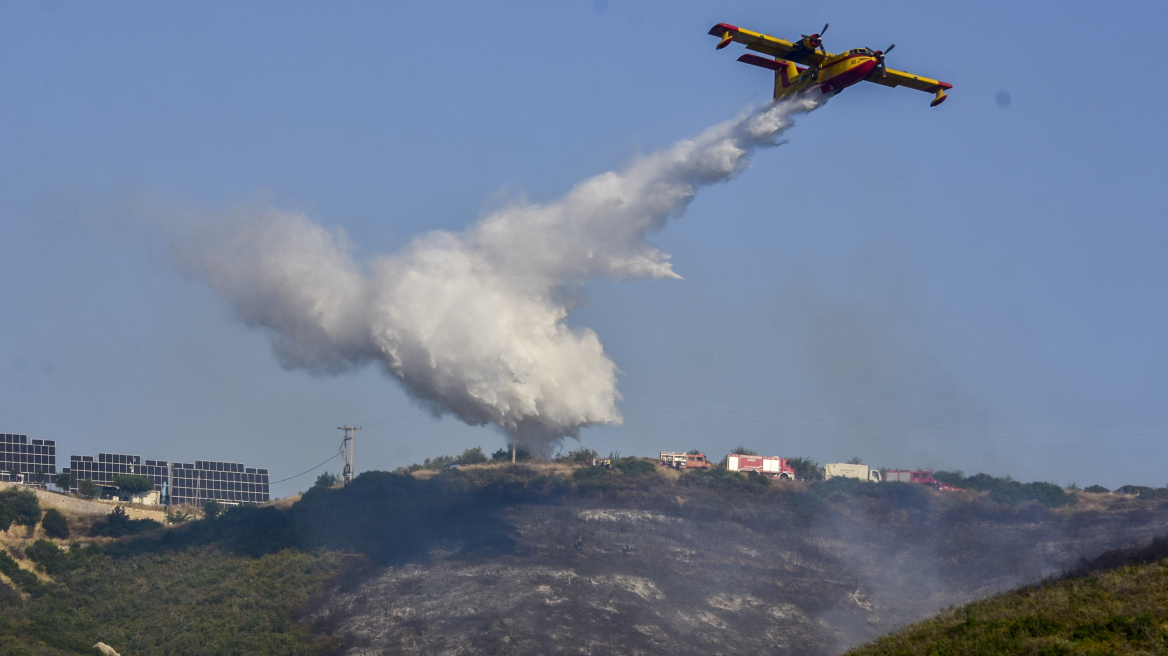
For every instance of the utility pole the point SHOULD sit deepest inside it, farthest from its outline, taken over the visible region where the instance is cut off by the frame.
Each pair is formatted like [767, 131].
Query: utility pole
[347, 447]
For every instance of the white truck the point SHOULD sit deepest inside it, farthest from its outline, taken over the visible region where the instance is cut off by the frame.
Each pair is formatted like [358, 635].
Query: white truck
[862, 472]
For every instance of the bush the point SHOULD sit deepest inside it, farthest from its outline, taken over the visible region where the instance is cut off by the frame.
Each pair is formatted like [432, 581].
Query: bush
[473, 456]
[50, 558]
[634, 466]
[212, 509]
[326, 480]
[743, 451]
[954, 478]
[1096, 489]
[594, 478]
[503, 455]
[118, 523]
[1047, 494]
[581, 456]
[65, 480]
[23, 578]
[20, 506]
[55, 524]
[751, 482]
[806, 469]
[87, 488]
[1156, 494]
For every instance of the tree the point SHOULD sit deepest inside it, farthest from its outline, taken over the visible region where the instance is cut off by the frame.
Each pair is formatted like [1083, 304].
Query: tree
[55, 524]
[806, 469]
[326, 480]
[742, 451]
[14, 475]
[212, 509]
[694, 452]
[472, 456]
[118, 523]
[65, 480]
[503, 455]
[87, 488]
[39, 476]
[855, 460]
[20, 506]
[133, 483]
[581, 456]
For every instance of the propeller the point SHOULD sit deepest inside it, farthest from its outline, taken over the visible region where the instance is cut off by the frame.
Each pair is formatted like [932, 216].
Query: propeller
[879, 55]
[816, 40]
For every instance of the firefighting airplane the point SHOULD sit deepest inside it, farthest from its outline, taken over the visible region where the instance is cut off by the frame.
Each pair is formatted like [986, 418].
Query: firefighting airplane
[830, 73]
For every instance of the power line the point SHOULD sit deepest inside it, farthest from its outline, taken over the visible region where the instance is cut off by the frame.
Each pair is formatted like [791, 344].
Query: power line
[334, 457]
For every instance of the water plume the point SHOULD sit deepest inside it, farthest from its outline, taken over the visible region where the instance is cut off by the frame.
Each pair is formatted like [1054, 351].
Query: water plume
[474, 323]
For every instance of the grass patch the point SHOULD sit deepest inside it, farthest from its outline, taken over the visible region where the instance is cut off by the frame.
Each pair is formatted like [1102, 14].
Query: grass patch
[1091, 610]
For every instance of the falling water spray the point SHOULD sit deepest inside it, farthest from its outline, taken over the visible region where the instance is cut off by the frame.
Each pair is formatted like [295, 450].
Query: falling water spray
[474, 323]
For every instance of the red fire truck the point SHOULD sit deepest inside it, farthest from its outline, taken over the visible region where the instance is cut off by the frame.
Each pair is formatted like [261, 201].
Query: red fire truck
[921, 476]
[772, 466]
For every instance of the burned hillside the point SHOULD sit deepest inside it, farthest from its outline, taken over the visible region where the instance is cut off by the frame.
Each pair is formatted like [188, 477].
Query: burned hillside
[540, 560]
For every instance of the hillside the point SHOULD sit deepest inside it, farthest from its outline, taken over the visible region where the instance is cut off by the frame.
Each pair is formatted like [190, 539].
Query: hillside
[546, 559]
[713, 565]
[1116, 604]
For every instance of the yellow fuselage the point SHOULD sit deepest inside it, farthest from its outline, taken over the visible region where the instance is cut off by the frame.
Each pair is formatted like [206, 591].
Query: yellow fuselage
[834, 74]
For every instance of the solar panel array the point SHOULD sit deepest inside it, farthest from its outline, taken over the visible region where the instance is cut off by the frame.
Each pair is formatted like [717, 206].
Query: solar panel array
[108, 465]
[227, 482]
[26, 458]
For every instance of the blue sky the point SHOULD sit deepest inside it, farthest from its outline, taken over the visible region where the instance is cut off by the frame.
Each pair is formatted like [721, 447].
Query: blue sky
[975, 286]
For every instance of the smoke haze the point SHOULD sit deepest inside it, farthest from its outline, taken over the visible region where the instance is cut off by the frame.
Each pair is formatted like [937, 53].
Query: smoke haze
[474, 323]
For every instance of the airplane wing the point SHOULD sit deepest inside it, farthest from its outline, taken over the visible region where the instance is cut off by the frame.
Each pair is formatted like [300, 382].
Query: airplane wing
[891, 78]
[767, 45]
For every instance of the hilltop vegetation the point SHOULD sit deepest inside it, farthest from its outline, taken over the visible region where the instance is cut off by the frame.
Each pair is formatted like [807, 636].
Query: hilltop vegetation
[1115, 604]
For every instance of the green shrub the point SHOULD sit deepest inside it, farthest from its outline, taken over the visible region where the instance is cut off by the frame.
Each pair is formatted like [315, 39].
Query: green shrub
[87, 488]
[55, 524]
[21, 577]
[1156, 494]
[751, 482]
[1096, 489]
[594, 478]
[503, 455]
[118, 523]
[634, 466]
[133, 483]
[954, 478]
[806, 469]
[472, 456]
[581, 456]
[50, 558]
[65, 480]
[20, 506]
[743, 451]
[327, 480]
[1047, 494]
[212, 509]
